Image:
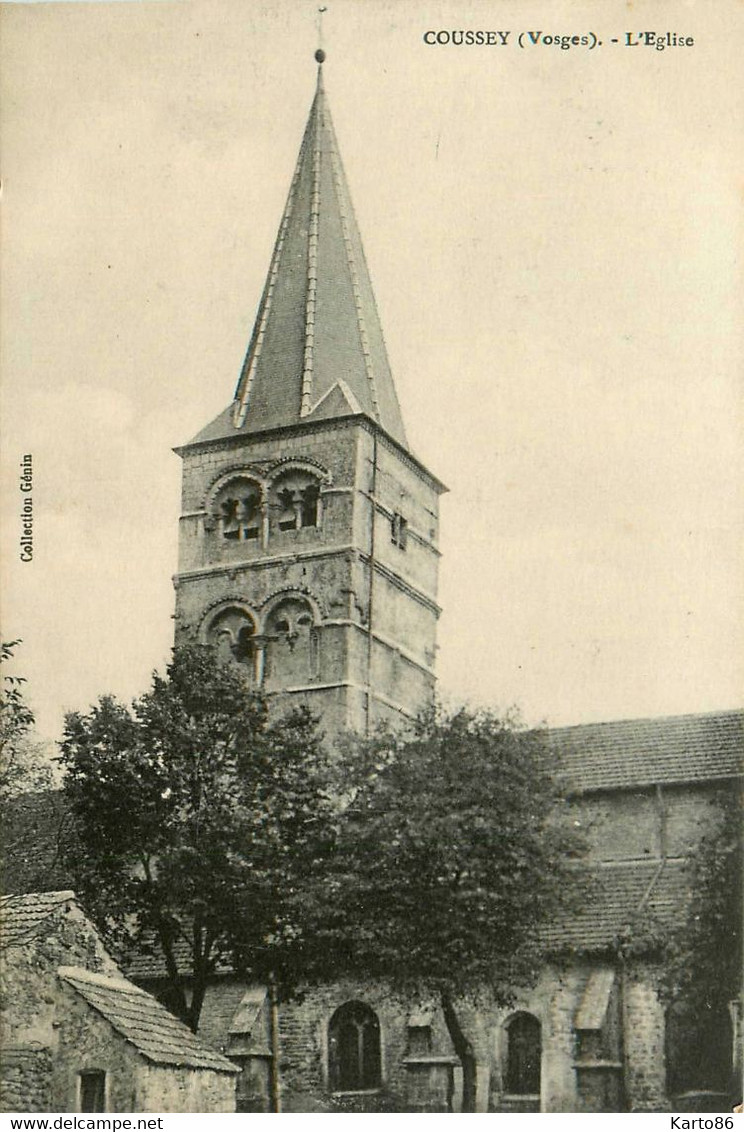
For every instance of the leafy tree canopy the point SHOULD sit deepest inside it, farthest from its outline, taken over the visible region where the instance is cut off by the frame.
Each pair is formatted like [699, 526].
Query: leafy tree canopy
[432, 860]
[453, 854]
[24, 765]
[199, 823]
[702, 957]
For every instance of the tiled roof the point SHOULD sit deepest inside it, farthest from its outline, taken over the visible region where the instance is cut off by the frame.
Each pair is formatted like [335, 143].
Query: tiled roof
[140, 1018]
[150, 964]
[641, 752]
[26, 916]
[622, 894]
[317, 350]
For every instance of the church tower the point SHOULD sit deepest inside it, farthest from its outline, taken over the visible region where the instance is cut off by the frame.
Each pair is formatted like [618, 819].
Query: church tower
[308, 535]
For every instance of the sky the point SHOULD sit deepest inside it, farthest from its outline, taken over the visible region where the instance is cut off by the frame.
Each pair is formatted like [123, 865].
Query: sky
[554, 238]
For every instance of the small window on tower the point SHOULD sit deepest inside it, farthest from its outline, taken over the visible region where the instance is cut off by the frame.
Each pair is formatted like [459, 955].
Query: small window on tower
[291, 644]
[238, 510]
[399, 531]
[288, 511]
[230, 524]
[309, 505]
[250, 517]
[294, 501]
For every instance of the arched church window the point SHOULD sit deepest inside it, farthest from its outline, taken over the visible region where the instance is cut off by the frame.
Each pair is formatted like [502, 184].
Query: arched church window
[523, 1056]
[232, 632]
[295, 501]
[237, 509]
[354, 1061]
[291, 643]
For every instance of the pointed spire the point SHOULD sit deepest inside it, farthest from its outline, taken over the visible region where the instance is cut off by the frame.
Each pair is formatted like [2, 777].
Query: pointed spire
[317, 349]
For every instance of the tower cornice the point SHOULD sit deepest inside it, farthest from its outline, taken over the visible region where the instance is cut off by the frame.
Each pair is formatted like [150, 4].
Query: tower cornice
[242, 439]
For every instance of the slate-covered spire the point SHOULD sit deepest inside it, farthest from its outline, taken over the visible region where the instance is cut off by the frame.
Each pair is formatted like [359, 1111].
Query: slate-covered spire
[317, 350]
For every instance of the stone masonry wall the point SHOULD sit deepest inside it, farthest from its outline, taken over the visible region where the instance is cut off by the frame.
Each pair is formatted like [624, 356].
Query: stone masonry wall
[330, 564]
[645, 1064]
[332, 446]
[554, 1001]
[638, 824]
[28, 975]
[174, 1089]
[25, 1079]
[304, 1048]
[220, 1006]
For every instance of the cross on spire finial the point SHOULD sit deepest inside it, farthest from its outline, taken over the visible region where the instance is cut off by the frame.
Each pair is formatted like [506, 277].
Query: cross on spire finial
[320, 53]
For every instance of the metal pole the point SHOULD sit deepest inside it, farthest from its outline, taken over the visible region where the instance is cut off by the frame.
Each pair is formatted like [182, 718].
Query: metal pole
[275, 1092]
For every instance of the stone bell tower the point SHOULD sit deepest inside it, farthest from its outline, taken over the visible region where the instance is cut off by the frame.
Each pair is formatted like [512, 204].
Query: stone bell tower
[308, 537]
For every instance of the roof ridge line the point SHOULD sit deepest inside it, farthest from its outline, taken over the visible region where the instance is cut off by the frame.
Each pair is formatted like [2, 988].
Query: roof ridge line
[708, 714]
[60, 895]
[100, 978]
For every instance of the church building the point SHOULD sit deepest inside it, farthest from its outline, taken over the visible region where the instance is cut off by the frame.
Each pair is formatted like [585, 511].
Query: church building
[309, 555]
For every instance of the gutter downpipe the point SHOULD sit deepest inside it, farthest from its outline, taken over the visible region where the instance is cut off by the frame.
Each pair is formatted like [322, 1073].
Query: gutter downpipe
[274, 1089]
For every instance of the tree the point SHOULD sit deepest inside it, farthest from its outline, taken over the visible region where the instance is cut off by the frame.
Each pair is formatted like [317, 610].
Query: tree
[450, 858]
[703, 956]
[32, 816]
[199, 822]
[24, 766]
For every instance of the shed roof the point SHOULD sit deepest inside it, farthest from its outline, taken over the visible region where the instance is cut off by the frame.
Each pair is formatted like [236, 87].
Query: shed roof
[141, 1019]
[251, 1004]
[621, 894]
[592, 1009]
[641, 752]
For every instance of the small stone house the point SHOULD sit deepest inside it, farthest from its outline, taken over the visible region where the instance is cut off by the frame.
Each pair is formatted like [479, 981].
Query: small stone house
[79, 1037]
